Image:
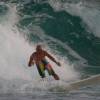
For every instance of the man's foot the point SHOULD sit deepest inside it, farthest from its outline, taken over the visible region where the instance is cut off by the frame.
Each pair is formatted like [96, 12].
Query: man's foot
[56, 77]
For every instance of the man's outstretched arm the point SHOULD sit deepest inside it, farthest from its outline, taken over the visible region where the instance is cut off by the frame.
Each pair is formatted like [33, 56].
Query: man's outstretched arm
[53, 59]
[30, 61]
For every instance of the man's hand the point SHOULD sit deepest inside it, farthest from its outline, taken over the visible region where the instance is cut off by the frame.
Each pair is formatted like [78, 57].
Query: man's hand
[30, 64]
[58, 63]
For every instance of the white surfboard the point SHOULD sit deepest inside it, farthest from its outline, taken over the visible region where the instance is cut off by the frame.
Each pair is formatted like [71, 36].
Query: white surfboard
[93, 80]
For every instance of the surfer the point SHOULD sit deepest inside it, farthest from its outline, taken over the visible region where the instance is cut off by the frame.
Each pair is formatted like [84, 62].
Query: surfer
[41, 62]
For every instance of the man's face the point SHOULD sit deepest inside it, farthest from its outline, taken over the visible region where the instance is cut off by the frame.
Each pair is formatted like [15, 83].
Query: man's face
[38, 48]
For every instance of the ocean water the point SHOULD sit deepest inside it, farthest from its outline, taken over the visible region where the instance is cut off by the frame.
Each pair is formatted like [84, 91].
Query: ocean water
[67, 29]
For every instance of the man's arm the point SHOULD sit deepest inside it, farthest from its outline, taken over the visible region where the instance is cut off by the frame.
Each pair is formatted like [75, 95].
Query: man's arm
[30, 63]
[53, 59]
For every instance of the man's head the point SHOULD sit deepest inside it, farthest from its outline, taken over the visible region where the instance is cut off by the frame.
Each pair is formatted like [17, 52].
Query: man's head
[38, 48]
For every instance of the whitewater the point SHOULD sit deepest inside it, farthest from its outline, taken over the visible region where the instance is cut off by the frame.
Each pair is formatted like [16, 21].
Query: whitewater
[15, 51]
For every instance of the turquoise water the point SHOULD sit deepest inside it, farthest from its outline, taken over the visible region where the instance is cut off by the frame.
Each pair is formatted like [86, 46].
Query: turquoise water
[65, 27]
[69, 30]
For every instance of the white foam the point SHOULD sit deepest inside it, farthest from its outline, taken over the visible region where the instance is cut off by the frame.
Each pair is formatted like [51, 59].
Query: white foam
[14, 50]
[14, 55]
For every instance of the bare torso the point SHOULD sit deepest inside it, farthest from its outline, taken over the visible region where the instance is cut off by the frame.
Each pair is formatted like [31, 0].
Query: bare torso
[38, 56]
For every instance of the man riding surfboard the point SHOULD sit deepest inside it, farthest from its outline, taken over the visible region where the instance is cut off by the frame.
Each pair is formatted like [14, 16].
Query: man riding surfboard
[39, 58]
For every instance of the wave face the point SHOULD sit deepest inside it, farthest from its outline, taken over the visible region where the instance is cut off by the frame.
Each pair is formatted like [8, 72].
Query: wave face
[15, 49]
[74, 24]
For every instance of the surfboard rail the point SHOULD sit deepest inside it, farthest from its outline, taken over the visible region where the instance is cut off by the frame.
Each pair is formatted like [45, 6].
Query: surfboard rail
[85, 82]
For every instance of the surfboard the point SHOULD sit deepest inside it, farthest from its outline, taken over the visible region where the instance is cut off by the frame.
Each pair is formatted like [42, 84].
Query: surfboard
[93, 80]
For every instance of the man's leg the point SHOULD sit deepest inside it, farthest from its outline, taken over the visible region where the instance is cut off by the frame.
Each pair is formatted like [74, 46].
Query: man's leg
[41, 71]
[51, 72]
